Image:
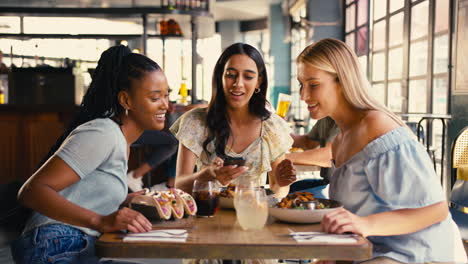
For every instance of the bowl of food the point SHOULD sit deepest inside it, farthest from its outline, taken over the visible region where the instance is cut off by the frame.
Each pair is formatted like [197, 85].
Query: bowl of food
[302, 207]
[226, 196]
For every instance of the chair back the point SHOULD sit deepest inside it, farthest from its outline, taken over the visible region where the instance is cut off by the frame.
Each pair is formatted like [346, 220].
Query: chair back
[459, 195]
[459, 152]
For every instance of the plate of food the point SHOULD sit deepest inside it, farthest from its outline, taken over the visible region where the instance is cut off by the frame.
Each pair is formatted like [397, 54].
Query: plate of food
[226, 197]
[302, 207]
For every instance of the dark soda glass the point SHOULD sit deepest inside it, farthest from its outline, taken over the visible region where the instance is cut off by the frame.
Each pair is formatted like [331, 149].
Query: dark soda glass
[207, 202]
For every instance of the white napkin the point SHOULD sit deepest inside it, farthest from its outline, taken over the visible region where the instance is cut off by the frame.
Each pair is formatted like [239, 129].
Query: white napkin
[161, 235]
[320, 237]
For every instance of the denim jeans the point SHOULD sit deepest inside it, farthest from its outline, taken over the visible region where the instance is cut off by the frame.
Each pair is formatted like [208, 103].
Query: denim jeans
[54, 243]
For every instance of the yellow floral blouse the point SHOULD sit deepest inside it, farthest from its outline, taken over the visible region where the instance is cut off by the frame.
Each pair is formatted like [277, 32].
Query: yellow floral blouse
[275, 140]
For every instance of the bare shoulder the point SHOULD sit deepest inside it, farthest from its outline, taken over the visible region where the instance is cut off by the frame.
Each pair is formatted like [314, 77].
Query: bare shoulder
[376, 124]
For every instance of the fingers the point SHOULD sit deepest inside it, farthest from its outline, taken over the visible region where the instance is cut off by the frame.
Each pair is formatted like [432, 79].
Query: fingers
[218, 162]
[285, 173]
[227, 173]
[133, 221]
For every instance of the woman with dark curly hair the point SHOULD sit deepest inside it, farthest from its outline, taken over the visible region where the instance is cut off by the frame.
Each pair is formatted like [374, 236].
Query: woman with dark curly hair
[77, 193]
[237, 123]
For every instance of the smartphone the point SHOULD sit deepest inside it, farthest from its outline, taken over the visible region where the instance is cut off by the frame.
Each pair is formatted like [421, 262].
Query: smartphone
[234, 161]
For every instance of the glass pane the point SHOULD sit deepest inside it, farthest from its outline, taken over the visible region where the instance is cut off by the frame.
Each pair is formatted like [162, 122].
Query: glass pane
[396, 30]
[380, 8]
[417, 102]
[363, 62]
[395, 63]
[379, 35]
[378, 67]
[442, 15]
[395, 99]
[362, 41]
[350, 18]
[76, 49]
[9, 24]
[441, 47]
[396, 4]
[362, 12]
[418, 58]
[419, 20]
[439, 104]
[68, 25]
[377, 91]
[350, 40]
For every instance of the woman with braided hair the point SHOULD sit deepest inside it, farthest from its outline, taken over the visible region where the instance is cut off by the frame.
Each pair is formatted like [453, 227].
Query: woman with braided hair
[77, 192]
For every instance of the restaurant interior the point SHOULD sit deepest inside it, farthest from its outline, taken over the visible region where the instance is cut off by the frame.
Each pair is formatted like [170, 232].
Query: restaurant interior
[414, 53]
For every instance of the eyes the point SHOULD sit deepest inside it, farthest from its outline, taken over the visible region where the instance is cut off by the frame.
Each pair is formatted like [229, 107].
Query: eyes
[159, 98]
[310, 85]
[234, 75]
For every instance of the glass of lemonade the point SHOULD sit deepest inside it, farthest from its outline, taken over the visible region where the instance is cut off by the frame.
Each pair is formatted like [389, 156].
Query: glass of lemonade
[251, 206]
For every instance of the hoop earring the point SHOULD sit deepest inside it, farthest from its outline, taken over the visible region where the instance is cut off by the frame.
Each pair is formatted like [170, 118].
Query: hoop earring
[257, 90]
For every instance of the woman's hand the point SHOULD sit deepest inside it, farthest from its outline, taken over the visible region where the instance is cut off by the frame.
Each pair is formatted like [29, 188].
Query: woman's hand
[341, 220]
[285, 173]
[123, 219]
[224, 174]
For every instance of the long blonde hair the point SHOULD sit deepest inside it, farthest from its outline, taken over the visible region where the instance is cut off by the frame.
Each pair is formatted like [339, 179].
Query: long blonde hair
[336, 58]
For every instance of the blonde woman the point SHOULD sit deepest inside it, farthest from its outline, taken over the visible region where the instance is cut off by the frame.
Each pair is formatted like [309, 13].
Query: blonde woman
[381, 174]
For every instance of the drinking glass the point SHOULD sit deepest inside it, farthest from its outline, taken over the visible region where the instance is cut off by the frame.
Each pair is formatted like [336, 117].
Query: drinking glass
[251, 206]
[206, 195]
[284, 101]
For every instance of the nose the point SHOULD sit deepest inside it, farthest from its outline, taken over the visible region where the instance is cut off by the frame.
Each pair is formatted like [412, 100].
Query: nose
[239, 82]
[165, 104]
[304, 94]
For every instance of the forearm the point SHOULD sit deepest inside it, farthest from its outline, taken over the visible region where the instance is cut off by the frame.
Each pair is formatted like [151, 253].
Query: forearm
[405, 221]
[185, 182]
[48, 202]
[320, 157]
[302, 141]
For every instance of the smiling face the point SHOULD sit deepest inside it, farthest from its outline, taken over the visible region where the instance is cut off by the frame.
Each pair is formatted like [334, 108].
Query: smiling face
[240, 79]
[148, 100]
[319, 90]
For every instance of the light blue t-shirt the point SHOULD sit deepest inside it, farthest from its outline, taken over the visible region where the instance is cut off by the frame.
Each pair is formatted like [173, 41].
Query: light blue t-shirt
[97, 152]
[394, 172]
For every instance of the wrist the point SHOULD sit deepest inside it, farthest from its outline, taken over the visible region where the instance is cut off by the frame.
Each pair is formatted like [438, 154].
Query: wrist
[95, 222]
[368, 225]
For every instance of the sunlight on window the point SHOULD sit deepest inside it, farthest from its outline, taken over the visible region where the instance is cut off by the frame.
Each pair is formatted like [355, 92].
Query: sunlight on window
[79, 25]
[9, 24]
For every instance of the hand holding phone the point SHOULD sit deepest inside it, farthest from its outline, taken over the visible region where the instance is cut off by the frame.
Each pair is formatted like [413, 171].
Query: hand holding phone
[239, 161]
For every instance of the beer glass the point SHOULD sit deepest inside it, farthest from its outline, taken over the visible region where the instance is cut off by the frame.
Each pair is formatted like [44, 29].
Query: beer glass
[284, 101]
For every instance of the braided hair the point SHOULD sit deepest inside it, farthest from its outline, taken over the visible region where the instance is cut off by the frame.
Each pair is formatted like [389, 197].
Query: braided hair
[116, 67]
[216, 118]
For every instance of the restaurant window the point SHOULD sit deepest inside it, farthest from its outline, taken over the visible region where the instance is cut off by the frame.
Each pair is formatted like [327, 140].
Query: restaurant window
[50, 50]
[260, 39]
[298, 109]
[408, 73]
[357, 29]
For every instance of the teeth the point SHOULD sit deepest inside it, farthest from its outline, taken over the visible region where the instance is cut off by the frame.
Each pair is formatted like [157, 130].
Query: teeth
[160, 116]
[237, 94]
[312, 105]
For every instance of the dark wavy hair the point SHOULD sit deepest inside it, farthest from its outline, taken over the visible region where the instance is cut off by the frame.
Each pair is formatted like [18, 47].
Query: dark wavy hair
[216, 118]
[114, 72]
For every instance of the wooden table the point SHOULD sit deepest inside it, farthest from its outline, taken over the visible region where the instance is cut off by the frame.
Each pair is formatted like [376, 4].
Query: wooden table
[221, 237]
